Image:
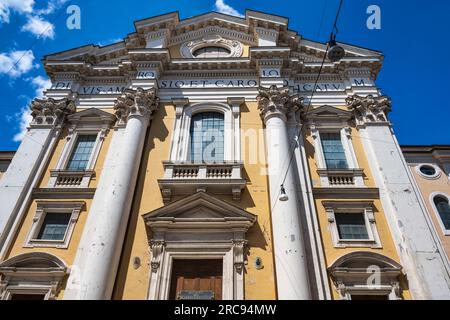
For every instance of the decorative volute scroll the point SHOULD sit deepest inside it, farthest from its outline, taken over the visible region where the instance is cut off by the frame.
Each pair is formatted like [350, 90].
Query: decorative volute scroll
[50, 112]
[239, 246]
[157, 248]
[369, 109]
[137, 102]
[276, 101]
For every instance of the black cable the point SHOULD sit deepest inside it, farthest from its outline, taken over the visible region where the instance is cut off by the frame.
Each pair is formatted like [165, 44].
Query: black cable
[332, 36]
[59, 13]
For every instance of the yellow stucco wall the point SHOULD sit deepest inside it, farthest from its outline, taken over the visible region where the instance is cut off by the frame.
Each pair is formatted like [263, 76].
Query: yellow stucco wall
[66, 254]
[332, 253]
[134, 283]
[59, 149]
[427, 188]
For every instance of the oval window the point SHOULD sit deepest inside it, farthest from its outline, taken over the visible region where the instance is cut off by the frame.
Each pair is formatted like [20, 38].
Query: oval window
[211, 52]
[428, 170]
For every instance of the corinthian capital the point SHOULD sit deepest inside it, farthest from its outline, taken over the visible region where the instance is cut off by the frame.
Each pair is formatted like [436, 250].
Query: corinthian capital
[369, 108]
[50, 112]
[275, 101]
[137, 102]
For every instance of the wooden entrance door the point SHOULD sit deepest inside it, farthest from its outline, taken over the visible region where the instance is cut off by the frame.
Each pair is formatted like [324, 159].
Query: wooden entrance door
[196, 279]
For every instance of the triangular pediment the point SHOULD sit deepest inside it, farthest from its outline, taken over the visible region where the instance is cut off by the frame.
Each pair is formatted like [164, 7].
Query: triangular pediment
[328, 112]
[199, 207]
[92, 115]
[166, 39]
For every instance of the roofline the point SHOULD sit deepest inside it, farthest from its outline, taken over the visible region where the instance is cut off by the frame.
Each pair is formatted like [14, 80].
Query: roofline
[424, 148]
[67, 50]
[249, 14]
[344, 43]
[176, 13]
[265, 13]
[7, 155]
[159, 15]
[213, 11]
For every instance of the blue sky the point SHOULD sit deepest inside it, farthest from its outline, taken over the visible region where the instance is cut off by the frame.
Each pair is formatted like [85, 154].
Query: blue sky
[413, 36]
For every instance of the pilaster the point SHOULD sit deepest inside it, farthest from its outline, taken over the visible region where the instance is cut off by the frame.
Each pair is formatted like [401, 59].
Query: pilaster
[48, 118]
[418, 246]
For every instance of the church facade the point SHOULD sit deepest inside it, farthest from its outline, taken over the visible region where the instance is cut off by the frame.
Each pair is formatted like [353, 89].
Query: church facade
[193, 161]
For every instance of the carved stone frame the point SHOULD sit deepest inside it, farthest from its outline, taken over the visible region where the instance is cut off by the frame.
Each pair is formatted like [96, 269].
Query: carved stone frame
[235, 47]
[87, 122]
[43, 207]
[366, 209]
[355, 273]
[32, 273]
[231, 254]
[198, 227]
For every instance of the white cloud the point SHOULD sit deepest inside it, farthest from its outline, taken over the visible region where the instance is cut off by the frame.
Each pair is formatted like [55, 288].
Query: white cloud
[25, 118]
[36, 23]
[40, 84]
[51, 6]
[39, 27]
[222, 7]
[16, 63]
[20, 6]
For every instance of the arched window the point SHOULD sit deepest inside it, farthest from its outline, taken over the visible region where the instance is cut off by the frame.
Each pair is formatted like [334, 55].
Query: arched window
[207, 137]
[443, 208]
[211, 52]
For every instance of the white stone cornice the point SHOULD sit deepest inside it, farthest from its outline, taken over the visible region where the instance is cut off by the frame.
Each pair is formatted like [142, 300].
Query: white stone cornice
[266, 36]
[67, 76]
[269, 62]
[156, 34]
[275, 101]
[369, 109]
[134, 103]
[229, 33]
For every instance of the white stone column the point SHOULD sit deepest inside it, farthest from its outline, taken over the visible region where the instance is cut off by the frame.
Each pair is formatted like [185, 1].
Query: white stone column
[418, 246]
[288, 242]
[98, 253]
[29, 162]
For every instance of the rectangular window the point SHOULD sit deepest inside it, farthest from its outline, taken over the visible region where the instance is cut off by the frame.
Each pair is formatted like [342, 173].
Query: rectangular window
[207, 137]
[351, 226]
[81, 153]
[28, 297]
[333, 150]
[370, 297]
[54, 226]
